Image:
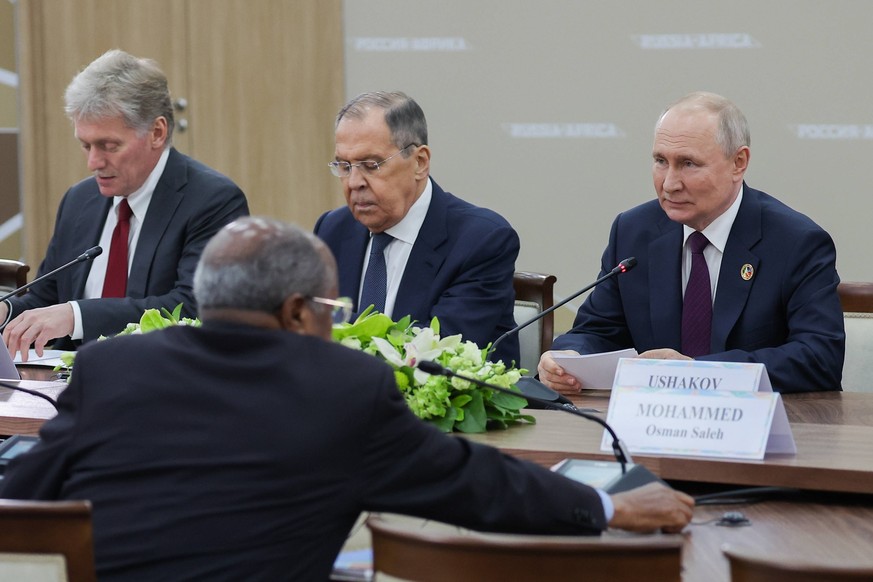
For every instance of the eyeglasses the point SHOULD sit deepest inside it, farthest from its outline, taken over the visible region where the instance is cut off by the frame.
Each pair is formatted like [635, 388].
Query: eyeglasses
[342, 307]
[344, 169]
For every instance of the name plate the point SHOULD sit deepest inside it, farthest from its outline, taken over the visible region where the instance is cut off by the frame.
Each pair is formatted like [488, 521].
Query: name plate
[699, 423]
[692, 375]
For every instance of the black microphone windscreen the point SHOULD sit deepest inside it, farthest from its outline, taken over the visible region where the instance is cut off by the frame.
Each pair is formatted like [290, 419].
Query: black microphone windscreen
[431, 367]
[91, 253]
[628, 264]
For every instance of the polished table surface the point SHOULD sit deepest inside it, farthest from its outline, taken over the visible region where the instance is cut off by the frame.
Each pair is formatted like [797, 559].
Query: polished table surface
[831, 525]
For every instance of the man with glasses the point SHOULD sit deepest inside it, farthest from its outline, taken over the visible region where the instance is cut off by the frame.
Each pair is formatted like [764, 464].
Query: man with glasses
[246, 448]
[402, 243]
[726, 272]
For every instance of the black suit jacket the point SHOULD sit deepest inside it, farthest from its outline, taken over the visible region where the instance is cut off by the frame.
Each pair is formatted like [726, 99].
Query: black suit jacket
[237, 453]
[191, 202]
[460, 269]
[787, 315]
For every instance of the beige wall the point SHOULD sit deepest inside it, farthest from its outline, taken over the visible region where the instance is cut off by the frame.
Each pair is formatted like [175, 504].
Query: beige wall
[10, 242]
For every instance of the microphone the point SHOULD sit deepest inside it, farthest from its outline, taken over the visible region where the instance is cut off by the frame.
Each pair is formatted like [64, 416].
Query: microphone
[530, 387]
[623, 267]
[28, 390]
[619, 450]
[88, 255]
[636, 477]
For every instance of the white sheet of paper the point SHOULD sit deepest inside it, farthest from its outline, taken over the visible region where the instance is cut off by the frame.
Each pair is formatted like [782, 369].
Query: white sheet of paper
[594, 371]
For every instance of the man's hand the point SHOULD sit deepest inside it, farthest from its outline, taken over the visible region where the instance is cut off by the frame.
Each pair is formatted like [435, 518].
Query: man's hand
[554, 376]
[652, 507]
[663, 354]
[38, 327]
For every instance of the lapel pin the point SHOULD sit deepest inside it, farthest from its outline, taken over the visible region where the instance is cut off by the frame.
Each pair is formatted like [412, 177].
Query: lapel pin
[747, 272]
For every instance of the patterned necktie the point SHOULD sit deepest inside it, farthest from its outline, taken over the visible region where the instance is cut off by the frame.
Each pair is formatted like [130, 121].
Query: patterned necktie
[375, 287]
[115, 283]
[697, 306]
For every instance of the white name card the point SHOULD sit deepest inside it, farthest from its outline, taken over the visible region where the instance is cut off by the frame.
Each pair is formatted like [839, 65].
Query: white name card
[692, 375]
[699, 423]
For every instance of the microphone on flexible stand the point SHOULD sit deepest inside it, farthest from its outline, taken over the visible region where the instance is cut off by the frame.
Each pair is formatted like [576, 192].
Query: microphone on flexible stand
[619, 450]
[635, 477]
[88, 255]
[530, 387]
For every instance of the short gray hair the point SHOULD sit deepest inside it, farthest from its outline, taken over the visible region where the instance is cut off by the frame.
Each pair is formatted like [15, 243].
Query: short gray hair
[403, 115]
[255, 263]
[118, 84]
[732, 132]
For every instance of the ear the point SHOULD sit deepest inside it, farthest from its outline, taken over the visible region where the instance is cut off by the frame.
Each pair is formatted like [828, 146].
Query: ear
[159, 132]
[422, 158]
[294, 314]
[741, 162]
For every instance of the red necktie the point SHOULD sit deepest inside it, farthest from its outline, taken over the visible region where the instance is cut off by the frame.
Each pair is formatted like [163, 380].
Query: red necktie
[115, 283]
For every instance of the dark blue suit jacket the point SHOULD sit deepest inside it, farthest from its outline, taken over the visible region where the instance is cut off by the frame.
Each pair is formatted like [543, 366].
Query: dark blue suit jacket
[460, 269]
[191, 202]
[233, 453]
[787, 316]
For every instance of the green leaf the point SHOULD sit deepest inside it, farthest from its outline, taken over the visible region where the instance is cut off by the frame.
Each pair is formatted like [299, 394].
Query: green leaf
[474, 415]
[461, 400]
[508, 402]
[445, 423]
[151, 320]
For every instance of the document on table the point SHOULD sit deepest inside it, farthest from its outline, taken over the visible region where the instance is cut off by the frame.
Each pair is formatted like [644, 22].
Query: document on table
[594, 371]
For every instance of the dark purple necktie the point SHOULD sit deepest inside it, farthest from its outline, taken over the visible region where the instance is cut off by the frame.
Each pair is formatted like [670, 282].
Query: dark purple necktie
[697, 307]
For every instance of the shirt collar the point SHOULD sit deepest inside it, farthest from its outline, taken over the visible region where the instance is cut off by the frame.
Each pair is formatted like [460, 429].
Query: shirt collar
[139, 200]
[719, 230]
[407, 229]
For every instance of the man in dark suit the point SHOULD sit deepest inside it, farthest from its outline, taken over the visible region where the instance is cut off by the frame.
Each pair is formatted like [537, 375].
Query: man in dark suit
[245, 449]
[769, 272]
[444, 257]
[123, 116]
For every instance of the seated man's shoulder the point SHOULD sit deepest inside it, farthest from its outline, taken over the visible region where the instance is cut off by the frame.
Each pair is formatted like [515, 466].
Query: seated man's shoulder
[466, 213]
[777, 214]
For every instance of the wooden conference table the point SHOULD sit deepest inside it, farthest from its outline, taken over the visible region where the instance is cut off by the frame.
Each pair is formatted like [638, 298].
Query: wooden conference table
[830, 522]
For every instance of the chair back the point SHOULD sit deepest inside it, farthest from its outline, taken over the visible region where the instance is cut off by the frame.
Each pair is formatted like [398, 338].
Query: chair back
[534, 292]
[747, 566]
[30, 530]
[13, 274]
[857, 303]
[424, 555]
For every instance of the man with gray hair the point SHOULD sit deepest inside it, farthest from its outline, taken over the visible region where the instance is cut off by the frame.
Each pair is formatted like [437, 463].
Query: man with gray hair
[151, 209]
[405, 245]
[726, 273]
[245, 449]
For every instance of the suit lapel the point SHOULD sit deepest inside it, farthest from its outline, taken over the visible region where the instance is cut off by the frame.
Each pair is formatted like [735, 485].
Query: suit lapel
[165, 200]
[350, 258]
[665, 285]
[733, 291]
[97, 205]
[427, 256]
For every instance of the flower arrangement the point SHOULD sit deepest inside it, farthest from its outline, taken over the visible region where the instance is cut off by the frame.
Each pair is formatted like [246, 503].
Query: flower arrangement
[151, 320]
[449, 404]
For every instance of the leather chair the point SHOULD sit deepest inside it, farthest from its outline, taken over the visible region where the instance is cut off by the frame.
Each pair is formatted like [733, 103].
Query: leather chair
[13, 274]
[534, 292]
[857, 302]
[426, 554]
[747, 566]
[32, 529]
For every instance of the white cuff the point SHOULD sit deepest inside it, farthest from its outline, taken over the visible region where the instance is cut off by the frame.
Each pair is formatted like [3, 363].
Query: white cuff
[608, 507]
[78, 332]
